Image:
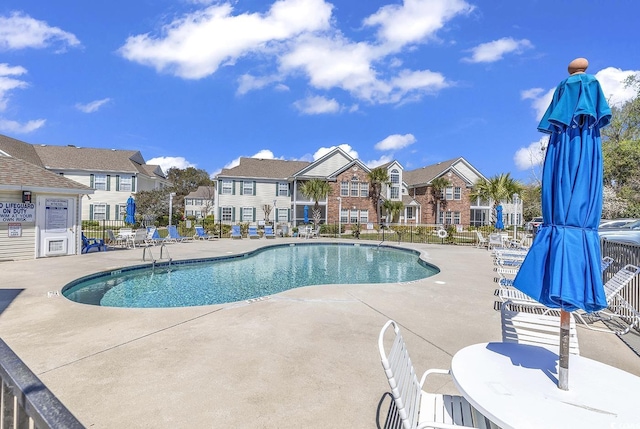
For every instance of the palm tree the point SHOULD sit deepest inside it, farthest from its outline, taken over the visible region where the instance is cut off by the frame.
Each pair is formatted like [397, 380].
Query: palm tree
[437, 186]
[377, 177]
[393, 209]
[316, 189]
[498, 188]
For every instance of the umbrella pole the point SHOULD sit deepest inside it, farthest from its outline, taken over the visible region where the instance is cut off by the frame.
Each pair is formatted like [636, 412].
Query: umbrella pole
[563, 369]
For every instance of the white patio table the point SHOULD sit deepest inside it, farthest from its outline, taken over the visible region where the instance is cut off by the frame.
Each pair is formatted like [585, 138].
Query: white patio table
[515, 386]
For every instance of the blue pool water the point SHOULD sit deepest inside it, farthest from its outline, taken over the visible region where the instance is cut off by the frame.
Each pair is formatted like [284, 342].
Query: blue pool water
[241, 277]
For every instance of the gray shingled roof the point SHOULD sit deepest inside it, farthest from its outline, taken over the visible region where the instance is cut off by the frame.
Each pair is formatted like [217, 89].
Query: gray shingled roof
[18, 173]
[19, 149]
[203, 192]
[422, 176]
[152, 170]
[264, 168]
[89, 159]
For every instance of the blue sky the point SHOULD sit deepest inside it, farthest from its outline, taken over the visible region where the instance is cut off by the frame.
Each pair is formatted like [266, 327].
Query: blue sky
[202, 83]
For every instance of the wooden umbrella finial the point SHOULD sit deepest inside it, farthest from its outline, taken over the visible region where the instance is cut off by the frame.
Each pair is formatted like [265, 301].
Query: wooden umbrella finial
[579, 65]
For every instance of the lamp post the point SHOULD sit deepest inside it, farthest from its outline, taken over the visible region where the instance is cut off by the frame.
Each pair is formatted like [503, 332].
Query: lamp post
[275, 212]
[515, 216]
[171, 195]
[339, 216]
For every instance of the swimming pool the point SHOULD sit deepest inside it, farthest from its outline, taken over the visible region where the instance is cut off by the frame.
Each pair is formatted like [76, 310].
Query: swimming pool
[263, 272]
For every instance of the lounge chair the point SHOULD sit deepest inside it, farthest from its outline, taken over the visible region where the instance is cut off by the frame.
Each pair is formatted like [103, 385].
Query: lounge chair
[523, 326]
[92, 243]
[201, 234]
[116, 240]
[482, 241]
[174, 235]
[414, 406]
[252, 232]
[235, 231]
[268, 232]
[606, 263]
[495, 240]
[619, 310]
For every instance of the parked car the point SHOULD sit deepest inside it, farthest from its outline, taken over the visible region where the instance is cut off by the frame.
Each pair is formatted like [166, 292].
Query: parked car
[615, 223]
[628, 233]
[533, 224]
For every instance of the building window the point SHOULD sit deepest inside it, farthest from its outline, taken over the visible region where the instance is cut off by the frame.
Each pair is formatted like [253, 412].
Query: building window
[282, 215]
[456, 218]
[197, 202]
[344, 216]
[283, 189]
[188, 202]
[247, 214]
[100, 212]
[189, 212]
[409, 212]
[125, 184]
[354, 188]
[227, 214]
[364, 189]
[395, 193]
[344, 189]
[100, 182]
[354, 216]
[449, 193]
[247, 188]
[457, 193]
[395, 177]
[478, 217]
[227, 187]
[364, 216]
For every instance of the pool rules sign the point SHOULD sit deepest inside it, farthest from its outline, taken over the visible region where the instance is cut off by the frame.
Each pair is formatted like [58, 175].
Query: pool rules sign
[17, 212]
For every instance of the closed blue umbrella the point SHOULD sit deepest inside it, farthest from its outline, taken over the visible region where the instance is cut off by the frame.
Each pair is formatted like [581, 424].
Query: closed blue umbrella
[499, 224]
[562, 268]
[306, 214]
[131, 211]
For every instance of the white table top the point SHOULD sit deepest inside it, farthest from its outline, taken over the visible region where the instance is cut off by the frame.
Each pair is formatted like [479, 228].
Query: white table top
[516, 386]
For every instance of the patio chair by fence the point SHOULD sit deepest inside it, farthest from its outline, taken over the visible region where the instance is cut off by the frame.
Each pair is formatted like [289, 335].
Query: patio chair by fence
[235, 232]
[482, 241]
[92, 243]
[174, 235]
[252, 232]
[268, 232]
[201, 234]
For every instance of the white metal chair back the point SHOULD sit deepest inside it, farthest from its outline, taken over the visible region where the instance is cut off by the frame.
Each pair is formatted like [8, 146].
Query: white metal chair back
[527, 327]
[622, 278]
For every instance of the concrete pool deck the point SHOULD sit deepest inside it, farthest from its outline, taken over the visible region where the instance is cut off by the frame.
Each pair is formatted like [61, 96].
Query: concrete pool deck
[306, 357]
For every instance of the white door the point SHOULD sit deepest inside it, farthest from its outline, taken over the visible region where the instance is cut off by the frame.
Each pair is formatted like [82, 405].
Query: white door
[56, 225]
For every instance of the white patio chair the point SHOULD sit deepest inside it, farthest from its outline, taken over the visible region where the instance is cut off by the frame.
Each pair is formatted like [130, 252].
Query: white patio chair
[482, 241]
[415, 407]
[495, 240]
[525, 326]
[619, 309]
[116, 240]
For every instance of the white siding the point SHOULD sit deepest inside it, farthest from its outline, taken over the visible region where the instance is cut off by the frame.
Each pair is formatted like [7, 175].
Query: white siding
[466, 172]
[328, 166]
[17, 248]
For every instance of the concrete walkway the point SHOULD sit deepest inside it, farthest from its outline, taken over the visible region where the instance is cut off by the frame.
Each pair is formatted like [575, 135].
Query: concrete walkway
[305, 358]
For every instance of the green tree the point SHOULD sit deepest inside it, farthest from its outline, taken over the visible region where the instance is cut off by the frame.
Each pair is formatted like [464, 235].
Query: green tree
[393, 209]
[377, 177]
[151, 205]
[316, 190]
[531, 196]
[185, 181]
[438, 185]
[497, 188]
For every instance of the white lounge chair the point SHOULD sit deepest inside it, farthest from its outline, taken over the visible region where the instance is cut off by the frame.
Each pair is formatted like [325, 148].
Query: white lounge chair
[619, 310]
[495, 240]
[528, 327]
[415, 407]
[482, 241]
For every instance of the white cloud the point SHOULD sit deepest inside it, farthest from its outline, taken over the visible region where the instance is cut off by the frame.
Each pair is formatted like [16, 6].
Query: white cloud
[298, 37]
[92, 106]
[195, 45]
[317, 105]
[382, 160]
[262, 154]
[167, 162]
[395, 141]
[531, 156]
[414, 20]
[20, 31]
[8, 83]
[9, 126]
[325, 150]
[611, 80]
[495, 50]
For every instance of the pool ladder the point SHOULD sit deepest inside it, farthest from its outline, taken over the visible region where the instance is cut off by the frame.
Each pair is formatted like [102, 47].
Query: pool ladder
[154, 260]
